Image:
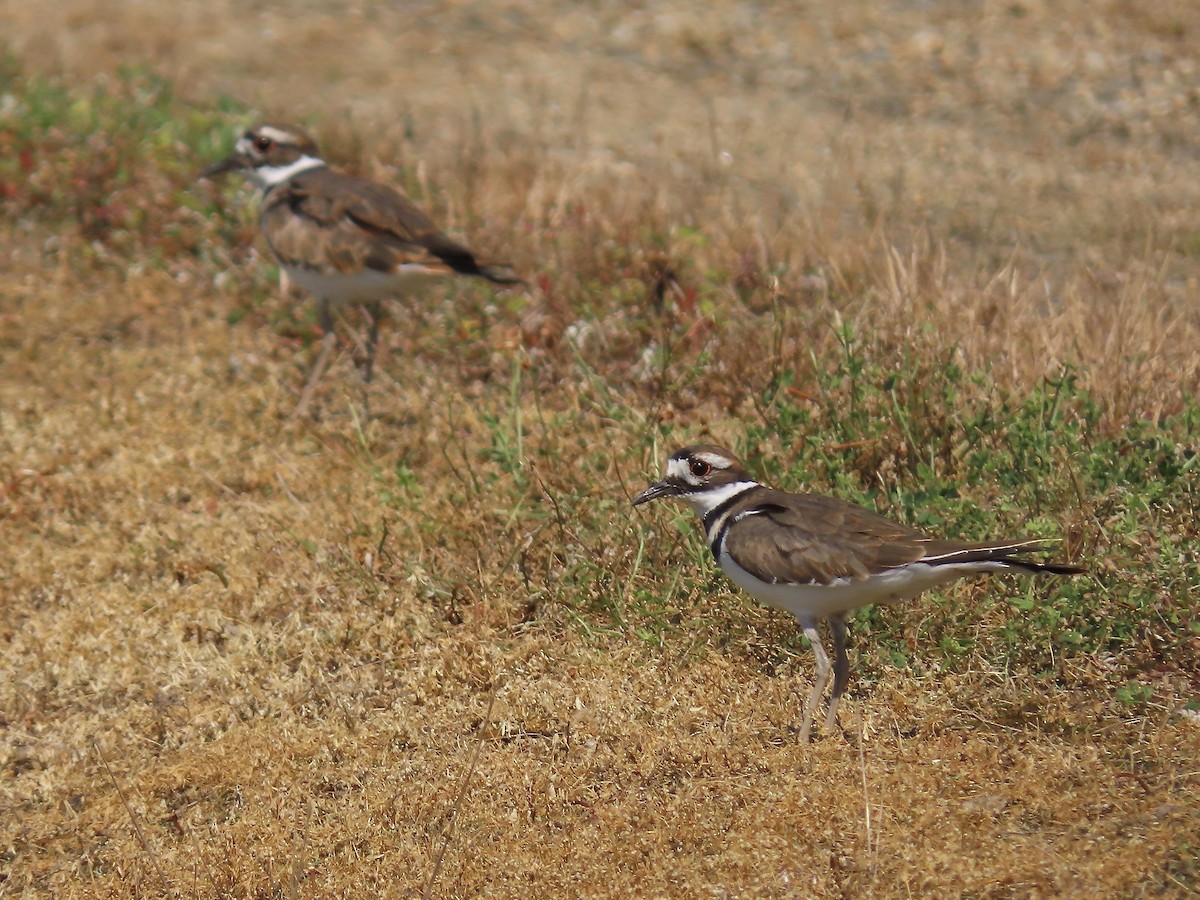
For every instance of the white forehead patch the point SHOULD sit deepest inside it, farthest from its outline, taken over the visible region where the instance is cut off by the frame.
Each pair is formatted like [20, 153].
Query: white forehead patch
[678, 468]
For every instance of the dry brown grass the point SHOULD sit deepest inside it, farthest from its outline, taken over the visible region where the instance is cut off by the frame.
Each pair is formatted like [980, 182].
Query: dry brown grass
[250, 657]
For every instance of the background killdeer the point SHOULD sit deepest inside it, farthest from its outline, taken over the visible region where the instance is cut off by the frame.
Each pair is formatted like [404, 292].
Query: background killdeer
[345, 239]
[820, 557]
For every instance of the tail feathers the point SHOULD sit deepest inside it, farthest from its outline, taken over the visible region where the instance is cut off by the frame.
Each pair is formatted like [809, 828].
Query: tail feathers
[1050, 568]
[497, 274]
[461, 260]
[1008, 552]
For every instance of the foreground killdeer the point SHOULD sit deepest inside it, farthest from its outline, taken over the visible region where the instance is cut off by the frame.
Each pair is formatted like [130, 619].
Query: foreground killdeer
[820, 557]
[345, 239]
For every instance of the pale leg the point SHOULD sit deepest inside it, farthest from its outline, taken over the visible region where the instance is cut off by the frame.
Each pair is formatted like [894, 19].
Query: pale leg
[841, 668]
[328, 342]
[374, 313]
[813, 634]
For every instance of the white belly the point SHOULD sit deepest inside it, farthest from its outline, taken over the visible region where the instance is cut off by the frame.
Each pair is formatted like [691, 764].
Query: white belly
[843, 595]
[366, 286]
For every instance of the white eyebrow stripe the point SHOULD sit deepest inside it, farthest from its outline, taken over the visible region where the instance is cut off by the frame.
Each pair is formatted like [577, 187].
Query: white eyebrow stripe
[280, 137]
[713, 459]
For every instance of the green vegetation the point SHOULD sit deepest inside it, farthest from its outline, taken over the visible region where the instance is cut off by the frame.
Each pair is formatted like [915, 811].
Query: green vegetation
[116, 163]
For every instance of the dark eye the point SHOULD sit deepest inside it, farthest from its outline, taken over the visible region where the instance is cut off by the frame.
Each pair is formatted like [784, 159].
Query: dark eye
[700, 468]
[263, 144]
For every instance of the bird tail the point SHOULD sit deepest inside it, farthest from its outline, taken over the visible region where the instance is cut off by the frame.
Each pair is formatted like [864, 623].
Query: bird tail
[1010, 553]
[497, 274]
[1050, 568]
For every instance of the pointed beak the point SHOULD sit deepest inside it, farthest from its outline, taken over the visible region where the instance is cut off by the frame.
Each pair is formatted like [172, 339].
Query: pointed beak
[661, 489]
[235, 162]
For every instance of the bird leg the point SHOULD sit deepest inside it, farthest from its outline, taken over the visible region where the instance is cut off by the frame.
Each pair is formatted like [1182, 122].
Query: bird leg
[811, 632]
[841, 668]
[328, 342]
[373, 312]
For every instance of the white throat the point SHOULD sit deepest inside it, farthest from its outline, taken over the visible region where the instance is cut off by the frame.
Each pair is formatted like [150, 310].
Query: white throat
[266, 177]
[705, 501]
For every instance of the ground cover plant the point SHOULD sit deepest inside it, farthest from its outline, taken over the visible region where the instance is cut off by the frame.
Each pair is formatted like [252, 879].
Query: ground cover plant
[421, 644]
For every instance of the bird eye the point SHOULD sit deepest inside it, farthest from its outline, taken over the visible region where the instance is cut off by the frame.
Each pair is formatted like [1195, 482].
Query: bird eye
[700, 468]
[263, 144]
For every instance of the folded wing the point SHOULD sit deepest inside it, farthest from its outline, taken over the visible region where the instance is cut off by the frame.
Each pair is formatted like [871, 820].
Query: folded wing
[356, 224]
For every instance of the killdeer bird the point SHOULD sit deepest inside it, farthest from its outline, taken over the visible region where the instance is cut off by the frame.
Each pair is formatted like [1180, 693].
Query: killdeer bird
[344, 239]
[818, 557]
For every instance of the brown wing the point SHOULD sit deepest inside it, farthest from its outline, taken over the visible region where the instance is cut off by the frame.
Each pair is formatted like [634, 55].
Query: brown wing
[808, 538]
[358, 224]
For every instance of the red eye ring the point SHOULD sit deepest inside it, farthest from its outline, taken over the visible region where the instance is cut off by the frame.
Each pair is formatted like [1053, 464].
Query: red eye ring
[700, 468]
[263, 143]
